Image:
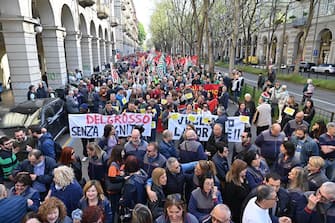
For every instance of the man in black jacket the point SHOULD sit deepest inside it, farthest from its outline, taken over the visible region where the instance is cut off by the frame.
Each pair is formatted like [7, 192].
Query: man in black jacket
[218, 135]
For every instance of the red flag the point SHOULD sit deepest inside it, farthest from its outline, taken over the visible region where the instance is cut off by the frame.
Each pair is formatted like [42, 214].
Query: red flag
[213, 104]
[168, 60]
[182, 61]
[194, 59]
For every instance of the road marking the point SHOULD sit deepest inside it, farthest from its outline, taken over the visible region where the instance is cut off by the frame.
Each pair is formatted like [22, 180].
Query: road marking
[68, 142]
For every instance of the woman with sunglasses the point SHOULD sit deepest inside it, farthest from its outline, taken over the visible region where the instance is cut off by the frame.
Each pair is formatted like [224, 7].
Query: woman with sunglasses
[70, 159]
[175, 211]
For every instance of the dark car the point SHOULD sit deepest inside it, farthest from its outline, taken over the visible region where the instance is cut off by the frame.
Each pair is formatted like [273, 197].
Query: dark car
[48, 113]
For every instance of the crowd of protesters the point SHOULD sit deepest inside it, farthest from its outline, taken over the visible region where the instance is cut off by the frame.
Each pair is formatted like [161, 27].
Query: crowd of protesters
[283, 173]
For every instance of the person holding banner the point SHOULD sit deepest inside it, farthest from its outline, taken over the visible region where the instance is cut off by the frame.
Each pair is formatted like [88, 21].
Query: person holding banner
[289, 110]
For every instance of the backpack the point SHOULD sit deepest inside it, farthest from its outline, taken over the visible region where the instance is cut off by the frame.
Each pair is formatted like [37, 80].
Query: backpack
[58, 150]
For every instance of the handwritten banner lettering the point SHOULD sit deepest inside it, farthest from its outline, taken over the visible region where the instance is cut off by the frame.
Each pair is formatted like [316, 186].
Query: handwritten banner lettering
[92, 125]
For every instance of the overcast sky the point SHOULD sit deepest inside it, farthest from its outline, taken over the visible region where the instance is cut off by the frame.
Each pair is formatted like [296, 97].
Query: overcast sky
[144, 10]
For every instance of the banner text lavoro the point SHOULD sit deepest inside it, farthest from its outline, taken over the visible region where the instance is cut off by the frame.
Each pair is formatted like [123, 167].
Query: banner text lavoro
[203, 124]
[178, 122]
[92, 125]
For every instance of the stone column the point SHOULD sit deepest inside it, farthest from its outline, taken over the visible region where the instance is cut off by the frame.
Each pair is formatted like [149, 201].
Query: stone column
[331, 58]
[102, 52]
[73, 51]
[108, 51]
[21, 49]
[96, 52]
[86, 54]
[53, 45]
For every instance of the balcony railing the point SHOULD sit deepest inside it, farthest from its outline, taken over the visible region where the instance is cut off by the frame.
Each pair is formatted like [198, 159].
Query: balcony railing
[102, 12]
[87, 3]
[114, 21]
[299, 22]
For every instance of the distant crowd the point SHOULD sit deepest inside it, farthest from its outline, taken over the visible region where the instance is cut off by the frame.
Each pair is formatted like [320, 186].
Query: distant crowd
[281, 170]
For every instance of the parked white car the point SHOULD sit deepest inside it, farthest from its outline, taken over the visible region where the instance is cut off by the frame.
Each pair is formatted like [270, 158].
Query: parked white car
[324, 68]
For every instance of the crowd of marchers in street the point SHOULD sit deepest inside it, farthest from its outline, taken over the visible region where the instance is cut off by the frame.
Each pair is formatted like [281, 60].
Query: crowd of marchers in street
[282, 172]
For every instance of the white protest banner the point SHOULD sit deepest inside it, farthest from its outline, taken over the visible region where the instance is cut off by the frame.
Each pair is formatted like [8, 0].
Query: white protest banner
[92, 125]
[178, 122]
[234, 129]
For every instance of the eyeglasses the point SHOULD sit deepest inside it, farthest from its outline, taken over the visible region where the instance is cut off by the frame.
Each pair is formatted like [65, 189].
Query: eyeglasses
[324, 198]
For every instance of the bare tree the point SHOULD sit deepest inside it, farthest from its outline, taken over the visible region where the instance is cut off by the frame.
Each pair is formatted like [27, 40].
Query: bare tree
[236, 26]
[312, 5]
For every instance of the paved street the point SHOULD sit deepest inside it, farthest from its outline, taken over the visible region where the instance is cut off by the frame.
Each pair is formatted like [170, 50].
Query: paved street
[323, 99]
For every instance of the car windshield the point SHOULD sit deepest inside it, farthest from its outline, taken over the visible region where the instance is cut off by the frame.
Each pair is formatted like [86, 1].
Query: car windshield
[33, 119]
[15, 119]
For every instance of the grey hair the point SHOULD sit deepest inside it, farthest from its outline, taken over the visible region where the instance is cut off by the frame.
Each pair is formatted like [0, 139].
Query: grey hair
[63, 176]
[166, 133]
[330, 125]
[219, 124]
[264, 192]
[329, 188]
[171, 161]
[223, 208]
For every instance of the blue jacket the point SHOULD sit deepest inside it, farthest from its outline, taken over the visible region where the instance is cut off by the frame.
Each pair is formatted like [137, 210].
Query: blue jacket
[134, 191]
[191, 150]
[283, 167]
[269, 144]
[46, 179]
[304, 215]
[167, 149]
[47, 145]
[308, 148]
[29, 193]
[97, 168]
[222, 167]
[149, 164]
[13, 209]
[70, 195]
[254, 177]
[103, 204]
